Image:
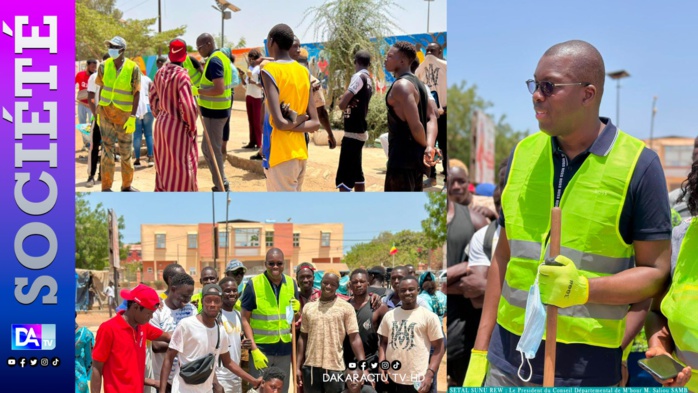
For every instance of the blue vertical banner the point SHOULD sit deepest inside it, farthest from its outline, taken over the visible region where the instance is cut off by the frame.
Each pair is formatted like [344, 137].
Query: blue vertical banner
[37, 197]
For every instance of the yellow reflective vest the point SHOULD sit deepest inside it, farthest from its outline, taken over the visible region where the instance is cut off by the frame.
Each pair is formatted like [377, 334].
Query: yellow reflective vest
[222, 101]
[679, 304]
[595, 245]
[268, 320]
[194, 75]
[117, 89]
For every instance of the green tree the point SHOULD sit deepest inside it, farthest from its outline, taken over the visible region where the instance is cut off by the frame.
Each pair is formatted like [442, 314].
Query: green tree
[242, 42]
[434, 226]
[412, 249]
[92, 235]
[463, 100]
[99, 20]
[345, 26]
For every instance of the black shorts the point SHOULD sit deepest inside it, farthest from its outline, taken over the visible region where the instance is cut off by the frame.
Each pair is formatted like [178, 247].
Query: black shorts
[226, 129]
[399, 179]
[350, 170]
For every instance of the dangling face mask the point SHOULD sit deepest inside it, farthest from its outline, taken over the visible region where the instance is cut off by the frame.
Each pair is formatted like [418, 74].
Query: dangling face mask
[114, 52]
[534, 327]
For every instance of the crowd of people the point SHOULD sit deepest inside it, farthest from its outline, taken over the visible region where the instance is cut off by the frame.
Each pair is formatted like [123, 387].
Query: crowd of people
[619, 266]
[284, 104]
[233, 333]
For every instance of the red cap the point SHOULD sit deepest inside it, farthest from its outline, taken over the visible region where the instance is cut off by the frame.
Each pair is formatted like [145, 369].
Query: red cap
[143, 295]
[178, 51]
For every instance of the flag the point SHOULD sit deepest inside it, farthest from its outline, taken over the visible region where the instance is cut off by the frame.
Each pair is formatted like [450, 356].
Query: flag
[393, 250]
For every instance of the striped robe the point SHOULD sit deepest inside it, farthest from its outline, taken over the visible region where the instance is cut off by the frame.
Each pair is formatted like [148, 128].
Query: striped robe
[176, 151]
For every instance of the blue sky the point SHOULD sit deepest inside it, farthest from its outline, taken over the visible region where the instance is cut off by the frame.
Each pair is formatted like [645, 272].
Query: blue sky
[364, 215]
[497, 44]
[257, 17]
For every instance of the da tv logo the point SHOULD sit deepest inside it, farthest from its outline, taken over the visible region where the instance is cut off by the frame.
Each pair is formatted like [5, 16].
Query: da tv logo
[33, 337]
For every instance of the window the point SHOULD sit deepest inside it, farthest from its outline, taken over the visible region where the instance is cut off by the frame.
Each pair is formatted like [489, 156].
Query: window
[680, 156]
[150, 270]
[191, 240]
[222, 239]
[159, 240]
[325, 239]
[192, 271]
[296, 240]
[247, 237]
[269, 239]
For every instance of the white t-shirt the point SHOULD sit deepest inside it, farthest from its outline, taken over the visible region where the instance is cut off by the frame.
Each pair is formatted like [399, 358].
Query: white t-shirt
[144, 102]
[357, 82]
[432, 71]
[233, 326]
[252, 89]
[109, 292]
[193, 340]
[476, 255]
[92, 87]
[167, 320]
[409, 334]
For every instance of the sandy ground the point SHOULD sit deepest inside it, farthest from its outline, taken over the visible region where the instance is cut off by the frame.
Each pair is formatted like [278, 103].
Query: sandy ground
[92, 320]
[245, 174]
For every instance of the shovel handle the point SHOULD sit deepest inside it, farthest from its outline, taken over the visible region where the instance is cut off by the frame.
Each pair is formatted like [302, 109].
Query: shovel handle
[551, 311]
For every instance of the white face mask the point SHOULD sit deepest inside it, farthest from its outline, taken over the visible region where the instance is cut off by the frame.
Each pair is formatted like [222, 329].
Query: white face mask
[114, 53]
[534, 327]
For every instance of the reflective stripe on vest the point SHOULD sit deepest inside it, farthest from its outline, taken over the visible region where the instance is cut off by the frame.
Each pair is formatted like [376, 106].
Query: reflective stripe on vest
[595, 246]
[221, 101]
[680, 300]
[268, 320]
[117, 89]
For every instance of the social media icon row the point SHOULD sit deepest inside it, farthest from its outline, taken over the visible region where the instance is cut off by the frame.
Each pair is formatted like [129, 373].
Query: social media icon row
[33, 362]
[384, 365]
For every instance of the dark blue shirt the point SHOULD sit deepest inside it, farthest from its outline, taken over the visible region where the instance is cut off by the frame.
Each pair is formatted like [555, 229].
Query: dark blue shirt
[249, 303]
[214, 70]
[645, 217]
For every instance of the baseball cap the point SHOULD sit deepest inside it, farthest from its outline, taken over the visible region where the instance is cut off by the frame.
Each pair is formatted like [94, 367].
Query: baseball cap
[143, 295]
[212, 289]
[116, 41]
[235, 265]
[306, 265]
[303, 56]
[178, 51]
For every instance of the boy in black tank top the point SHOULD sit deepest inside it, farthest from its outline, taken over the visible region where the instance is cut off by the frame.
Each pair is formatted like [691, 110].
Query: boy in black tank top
[354, 103]
[412, 125]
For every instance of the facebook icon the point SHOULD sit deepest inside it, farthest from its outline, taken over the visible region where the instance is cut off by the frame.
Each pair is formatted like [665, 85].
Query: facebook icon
[33, 337]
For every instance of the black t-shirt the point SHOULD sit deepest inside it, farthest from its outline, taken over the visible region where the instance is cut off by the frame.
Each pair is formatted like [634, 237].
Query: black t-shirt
[357, 110]
[214, 70]
[403, 151]
[645, 217]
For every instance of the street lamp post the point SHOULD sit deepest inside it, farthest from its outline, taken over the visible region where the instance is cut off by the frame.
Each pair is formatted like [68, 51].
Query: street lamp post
[618, 75]
[654, 112]
[221, 6]
[428, 12]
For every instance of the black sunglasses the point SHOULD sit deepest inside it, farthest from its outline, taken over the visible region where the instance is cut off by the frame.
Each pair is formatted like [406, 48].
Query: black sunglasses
[272, 264]
[546, 88]
[238, 272]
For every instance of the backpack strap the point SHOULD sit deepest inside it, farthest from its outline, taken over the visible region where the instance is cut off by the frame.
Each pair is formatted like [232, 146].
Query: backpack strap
[489, 236]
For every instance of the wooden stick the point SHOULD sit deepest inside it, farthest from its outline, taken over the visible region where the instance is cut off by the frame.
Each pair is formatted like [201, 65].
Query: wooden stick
[220, 185]
[551, 319]
[293, 355]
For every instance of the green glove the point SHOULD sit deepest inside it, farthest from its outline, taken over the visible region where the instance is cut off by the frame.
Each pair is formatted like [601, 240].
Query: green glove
[477, 369]
[296, 305]
[194, 91]
[259, 358]
[130, 125]
[562, 286]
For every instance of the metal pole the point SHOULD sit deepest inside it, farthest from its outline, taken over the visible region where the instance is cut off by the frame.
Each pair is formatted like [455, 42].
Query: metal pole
[227, 235]
[213, 209]
[618, 103]
[654, 112]
[222, 28]
[428, 13]
[159, 25]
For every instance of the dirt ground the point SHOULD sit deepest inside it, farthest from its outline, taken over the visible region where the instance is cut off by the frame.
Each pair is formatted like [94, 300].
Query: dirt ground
[92, 320]
[244, 174]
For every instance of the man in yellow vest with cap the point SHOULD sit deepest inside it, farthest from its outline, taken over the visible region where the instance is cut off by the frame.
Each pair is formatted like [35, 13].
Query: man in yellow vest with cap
[215, 91]
[268, 303]
[119, 79]
[614, 244]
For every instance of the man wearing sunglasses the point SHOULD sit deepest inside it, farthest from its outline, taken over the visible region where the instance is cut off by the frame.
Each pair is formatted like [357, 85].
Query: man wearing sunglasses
[615, 233]
[268, 302]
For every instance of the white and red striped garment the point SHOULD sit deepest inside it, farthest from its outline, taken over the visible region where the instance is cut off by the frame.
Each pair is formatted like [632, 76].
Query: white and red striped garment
[176, 151]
